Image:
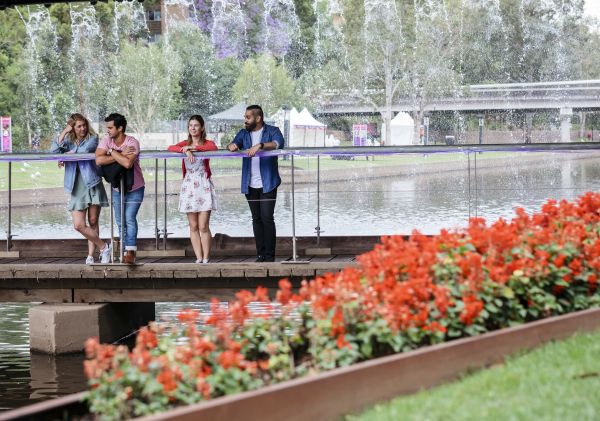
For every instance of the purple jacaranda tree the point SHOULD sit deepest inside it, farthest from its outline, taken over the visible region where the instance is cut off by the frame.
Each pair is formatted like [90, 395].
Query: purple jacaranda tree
[244, 28]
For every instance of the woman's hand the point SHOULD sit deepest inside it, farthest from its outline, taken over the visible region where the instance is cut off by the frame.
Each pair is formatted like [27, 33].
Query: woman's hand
[61, 164]
[190, 156]
[68, 128]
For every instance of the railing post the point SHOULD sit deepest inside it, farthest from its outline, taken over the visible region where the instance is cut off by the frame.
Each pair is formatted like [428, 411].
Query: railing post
[476, 187]
[122, 230]
[112, 228]
[165, 205]
[156, 231]
[318, 227]
[294, 254]
[8, 230]
[469, 180]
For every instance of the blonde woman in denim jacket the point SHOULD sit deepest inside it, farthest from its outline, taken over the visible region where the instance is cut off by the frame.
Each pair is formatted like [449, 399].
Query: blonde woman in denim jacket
[83, 183]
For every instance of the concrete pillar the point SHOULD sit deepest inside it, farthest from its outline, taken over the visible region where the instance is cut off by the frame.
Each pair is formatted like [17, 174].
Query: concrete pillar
[63, 328]
[565, 124]
[528, 126]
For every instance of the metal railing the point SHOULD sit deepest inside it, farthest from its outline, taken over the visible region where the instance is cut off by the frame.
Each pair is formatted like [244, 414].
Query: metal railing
[470, 151]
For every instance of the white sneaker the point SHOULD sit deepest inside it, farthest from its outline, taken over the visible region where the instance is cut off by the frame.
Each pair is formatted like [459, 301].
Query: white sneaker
[89, 260]
[198, 261]
[205, 261]
[105, 254]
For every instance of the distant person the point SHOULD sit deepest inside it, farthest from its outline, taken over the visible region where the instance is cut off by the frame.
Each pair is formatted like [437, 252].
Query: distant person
[123, 150]
[35, 141]
[260, 177]
[83, 183]
[197, 196]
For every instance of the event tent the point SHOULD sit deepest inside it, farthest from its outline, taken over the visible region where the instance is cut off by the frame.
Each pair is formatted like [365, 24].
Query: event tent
[305, 130]
[402, 130]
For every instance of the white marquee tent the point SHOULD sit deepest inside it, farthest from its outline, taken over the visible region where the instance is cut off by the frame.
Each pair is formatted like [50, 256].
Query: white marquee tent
[305, 130]
[402, 128]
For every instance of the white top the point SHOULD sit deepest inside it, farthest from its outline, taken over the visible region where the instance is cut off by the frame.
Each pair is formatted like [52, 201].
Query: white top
[255, 178]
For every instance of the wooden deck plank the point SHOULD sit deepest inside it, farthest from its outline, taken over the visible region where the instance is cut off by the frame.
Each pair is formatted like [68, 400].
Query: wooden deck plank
[319, 259]
[342, 258]
[145, 295]
[30, 295]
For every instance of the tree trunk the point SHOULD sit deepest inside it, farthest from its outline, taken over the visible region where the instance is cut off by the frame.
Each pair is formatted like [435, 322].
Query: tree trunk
[582, 116]
[387, 121]
[418, 117]
[389, 86]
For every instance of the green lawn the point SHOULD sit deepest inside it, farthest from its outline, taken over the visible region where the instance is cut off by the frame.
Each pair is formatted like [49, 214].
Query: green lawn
[40, 174]
[560, 381]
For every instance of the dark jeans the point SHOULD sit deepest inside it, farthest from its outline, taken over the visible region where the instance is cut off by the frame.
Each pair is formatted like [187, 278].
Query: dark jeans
[262, 207]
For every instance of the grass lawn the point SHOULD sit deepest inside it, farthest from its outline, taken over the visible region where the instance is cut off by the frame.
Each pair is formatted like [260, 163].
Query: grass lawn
[560, 381]
[42, 174]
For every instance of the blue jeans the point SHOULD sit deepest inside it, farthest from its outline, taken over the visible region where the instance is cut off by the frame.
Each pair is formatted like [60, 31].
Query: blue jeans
[133, 201]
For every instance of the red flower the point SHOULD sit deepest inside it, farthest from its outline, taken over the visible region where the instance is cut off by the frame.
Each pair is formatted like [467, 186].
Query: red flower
[188, 316]
[167, 378]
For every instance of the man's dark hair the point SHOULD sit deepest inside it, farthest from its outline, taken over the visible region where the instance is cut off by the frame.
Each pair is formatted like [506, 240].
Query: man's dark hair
[118, 119]
[257, 111]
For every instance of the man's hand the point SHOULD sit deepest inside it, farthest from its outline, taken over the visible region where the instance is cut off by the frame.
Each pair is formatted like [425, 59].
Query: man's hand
[128, 150]
[232, 147]
[252, 151]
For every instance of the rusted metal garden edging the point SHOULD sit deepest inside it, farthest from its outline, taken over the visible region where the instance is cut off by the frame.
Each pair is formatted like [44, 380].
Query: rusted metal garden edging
[345, 390]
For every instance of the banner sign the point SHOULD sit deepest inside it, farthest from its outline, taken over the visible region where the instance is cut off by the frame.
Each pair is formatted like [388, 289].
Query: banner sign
[6, 135]
[359, 134]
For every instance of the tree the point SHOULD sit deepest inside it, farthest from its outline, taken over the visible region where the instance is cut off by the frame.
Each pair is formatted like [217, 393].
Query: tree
[252, 27]
[146, 84]
[262, 81]
[206, 81]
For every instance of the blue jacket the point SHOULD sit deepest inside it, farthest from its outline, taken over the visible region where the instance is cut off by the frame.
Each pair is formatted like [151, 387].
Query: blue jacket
[269, 169]
[87, 168]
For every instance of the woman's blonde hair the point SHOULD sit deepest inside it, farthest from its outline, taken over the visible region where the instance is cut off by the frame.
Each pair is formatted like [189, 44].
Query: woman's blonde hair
[74, 118]
[200, 120]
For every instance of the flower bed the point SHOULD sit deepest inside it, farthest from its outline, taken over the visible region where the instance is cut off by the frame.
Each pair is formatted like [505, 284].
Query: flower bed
[405, 294]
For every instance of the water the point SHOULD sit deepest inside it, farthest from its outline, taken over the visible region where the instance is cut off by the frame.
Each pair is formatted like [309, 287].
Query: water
[27, 378]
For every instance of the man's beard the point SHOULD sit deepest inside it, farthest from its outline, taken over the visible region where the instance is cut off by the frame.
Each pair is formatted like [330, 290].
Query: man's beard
[250, 126]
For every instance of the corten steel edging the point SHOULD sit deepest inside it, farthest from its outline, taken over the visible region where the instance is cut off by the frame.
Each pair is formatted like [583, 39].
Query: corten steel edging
[332, 394]
[55, 409]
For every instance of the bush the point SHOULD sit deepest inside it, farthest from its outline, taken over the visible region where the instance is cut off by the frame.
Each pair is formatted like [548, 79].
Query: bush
[404, 294]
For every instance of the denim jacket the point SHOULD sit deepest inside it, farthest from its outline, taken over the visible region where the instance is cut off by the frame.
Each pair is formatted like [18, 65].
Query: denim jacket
[87, 168]
[269, 168]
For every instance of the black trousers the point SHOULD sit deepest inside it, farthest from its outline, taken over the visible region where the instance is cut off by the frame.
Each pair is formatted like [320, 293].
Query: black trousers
[262, 207]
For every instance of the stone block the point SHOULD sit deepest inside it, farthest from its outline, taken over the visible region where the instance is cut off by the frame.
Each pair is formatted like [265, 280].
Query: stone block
[64, 328]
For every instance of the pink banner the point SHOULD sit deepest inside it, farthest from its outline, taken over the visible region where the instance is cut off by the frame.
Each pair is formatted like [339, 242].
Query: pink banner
[6, 139]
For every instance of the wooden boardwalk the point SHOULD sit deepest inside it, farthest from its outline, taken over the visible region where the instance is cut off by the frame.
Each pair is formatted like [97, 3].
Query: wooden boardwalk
[67, 280]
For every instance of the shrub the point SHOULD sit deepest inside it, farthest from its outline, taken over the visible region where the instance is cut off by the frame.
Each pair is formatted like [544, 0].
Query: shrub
[404, 294]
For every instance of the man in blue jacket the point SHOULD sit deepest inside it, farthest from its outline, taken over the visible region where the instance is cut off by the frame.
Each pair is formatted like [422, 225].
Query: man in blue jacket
[260, 177]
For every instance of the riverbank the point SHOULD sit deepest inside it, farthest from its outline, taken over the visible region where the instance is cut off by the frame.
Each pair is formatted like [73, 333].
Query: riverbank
[227, 179]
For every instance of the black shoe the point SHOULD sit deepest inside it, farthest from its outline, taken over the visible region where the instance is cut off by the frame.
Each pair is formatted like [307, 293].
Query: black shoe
[260, 259]
[269, 259]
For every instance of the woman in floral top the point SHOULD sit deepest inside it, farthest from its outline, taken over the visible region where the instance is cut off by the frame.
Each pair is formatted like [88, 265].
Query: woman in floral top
[197, 197]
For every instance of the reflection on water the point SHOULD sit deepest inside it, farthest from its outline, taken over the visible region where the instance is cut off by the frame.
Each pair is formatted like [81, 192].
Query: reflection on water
[26, 378]
[425, 197]
[30, 377]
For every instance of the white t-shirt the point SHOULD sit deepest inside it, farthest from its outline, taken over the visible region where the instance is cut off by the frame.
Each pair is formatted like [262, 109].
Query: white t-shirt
[255, 178]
